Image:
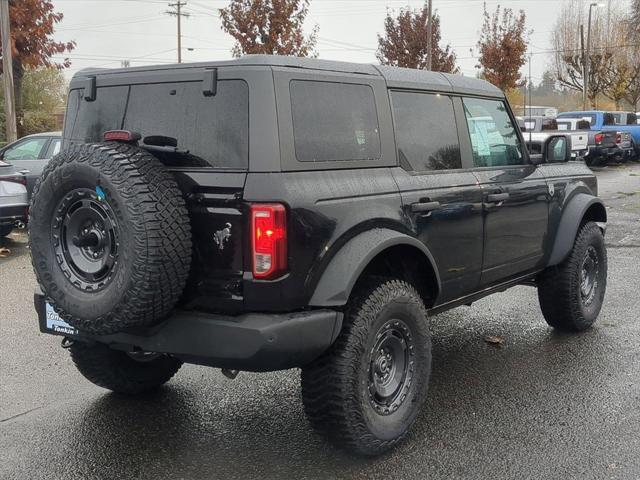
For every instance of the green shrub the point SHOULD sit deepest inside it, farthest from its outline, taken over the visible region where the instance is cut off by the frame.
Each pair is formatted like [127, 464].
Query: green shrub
[38, 122]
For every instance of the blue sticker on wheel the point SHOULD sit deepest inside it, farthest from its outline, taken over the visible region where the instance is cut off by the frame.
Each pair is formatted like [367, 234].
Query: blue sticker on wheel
[56, 324]
[100, 193]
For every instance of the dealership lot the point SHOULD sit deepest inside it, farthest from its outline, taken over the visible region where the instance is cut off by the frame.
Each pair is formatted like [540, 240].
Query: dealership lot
[541, 405]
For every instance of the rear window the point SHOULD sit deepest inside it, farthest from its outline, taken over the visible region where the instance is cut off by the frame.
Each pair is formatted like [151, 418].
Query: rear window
[214, 129]
[94, 118]
[334, 121]
[209, 131]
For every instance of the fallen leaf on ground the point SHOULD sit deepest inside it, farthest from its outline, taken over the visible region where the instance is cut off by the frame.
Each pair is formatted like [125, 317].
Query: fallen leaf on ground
[494, 340]
[4, 252]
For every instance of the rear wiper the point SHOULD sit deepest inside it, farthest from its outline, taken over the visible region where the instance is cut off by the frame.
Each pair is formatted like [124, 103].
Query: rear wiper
[164, 149]
[160, 143]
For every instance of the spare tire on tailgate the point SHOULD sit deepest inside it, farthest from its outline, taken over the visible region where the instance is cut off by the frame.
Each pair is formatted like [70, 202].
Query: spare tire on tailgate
[110, 237]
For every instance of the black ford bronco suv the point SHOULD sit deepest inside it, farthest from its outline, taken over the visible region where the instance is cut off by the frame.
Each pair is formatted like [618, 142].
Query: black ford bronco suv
[270, 213]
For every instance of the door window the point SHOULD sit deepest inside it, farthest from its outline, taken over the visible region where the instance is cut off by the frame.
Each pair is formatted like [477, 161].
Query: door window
[494, 139]
[26, 150]
[426, 132]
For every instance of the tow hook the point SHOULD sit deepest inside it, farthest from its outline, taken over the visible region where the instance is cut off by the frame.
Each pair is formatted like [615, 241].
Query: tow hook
[230, 374]
[19, 224]
[66, 343]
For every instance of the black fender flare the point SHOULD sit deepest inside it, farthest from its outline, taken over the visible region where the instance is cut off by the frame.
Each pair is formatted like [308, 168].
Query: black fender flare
[344, 269]
[570, 221]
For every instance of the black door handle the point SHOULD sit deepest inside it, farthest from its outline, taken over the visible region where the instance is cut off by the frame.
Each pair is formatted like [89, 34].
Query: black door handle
[424, 206]
[497, 197]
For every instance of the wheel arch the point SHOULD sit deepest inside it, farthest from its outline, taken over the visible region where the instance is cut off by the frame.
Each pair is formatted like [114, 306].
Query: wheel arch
[377, 252]
[582, 208]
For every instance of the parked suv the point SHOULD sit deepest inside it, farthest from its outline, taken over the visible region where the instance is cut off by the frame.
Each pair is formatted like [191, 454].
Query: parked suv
[269, 213]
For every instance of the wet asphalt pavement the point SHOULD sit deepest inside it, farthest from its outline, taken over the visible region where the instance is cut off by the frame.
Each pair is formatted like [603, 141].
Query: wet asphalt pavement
[544, 405]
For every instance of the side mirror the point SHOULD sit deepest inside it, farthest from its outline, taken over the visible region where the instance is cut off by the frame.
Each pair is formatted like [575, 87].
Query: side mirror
[536, 158]
[557, 148]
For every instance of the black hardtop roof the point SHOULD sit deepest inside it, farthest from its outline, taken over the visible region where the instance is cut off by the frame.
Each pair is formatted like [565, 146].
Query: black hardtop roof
[395, 77]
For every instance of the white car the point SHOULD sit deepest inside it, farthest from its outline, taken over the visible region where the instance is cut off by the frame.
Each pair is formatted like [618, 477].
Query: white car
[14, 200]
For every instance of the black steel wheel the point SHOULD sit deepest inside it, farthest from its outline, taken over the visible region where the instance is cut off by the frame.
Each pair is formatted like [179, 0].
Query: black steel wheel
[85, 236]
[391, 365]
[589, 276]
[366, 391]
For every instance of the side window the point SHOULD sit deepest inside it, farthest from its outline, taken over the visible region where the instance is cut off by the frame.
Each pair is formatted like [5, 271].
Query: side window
[54, 148]
[334, 121]
[25, 150]
[426, 132]
[493, 136]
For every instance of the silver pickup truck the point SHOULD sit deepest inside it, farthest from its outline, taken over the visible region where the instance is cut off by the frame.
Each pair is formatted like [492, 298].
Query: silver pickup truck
[536, 129]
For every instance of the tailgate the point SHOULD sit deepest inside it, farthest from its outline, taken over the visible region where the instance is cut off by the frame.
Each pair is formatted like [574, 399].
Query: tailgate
[214, 200]
[609, 139]
[579, 141]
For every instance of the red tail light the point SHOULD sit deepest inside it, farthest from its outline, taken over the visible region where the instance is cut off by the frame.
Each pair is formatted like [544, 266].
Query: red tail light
[121, 136]
[269, 240]
[15, 179]
[618, 137]
[599, 137]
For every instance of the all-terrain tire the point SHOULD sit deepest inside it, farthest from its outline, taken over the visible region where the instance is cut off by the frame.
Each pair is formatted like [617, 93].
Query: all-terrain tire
[118, 371]
[337, 387]
[568, 301]
[138, 228]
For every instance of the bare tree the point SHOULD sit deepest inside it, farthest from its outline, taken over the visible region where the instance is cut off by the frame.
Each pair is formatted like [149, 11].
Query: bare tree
[569, 60]
[623, 39]
[633, 88]
[635, 19]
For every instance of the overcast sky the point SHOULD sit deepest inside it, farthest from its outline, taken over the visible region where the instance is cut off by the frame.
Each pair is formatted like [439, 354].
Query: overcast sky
[108, 31]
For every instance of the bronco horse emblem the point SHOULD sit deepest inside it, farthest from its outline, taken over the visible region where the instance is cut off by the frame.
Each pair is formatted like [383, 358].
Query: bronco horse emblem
[222, 236]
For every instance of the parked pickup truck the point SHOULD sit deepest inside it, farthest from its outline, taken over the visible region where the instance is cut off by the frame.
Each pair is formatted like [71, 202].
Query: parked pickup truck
[538, 129]
[601, 145]
[624, 142]
[600, 120]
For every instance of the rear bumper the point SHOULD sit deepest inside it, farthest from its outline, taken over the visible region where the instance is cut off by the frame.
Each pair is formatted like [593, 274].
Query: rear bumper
[10, 213]
[252, 342]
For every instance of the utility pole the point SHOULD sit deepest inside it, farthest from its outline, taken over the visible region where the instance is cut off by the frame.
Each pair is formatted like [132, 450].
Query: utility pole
[178, 13]
[7, 73]
[584, 69]
[587, 63]
[429, 35]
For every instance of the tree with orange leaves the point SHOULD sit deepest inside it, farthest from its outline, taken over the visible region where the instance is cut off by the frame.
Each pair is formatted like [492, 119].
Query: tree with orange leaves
[269, 26]
[503, 47]
[405, 42]
[32, 25]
